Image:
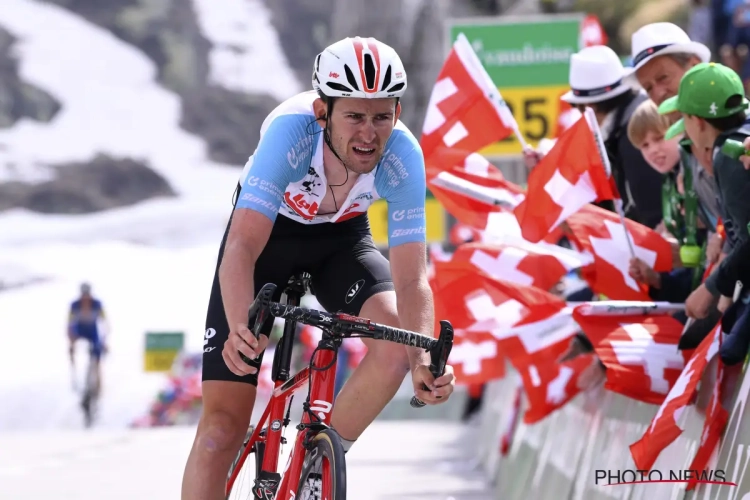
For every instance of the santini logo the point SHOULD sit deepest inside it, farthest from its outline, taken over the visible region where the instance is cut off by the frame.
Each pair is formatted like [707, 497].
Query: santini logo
[353, 291]
[630, 476]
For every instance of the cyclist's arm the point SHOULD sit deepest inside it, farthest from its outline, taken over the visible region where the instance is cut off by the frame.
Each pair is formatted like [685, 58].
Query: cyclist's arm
[255, 212]
[408, 250]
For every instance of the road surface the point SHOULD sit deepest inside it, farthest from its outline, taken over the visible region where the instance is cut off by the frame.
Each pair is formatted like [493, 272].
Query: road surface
[434, 461]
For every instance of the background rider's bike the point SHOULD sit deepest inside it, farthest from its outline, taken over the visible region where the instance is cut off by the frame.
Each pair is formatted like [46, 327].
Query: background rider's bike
[316, 468]
[89, 393]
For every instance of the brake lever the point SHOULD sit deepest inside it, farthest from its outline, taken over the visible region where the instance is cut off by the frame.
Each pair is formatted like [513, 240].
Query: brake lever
[438, 358]
[260, 310]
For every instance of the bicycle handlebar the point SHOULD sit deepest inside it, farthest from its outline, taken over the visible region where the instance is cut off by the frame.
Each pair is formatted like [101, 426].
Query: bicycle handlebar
[345, 325]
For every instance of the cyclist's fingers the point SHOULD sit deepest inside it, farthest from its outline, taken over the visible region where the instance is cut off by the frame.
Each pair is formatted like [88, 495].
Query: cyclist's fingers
[245, 334]
[240, 345]
[426, 397]
[236, 346]
[234, 362]
[446, 379]
[442, 391]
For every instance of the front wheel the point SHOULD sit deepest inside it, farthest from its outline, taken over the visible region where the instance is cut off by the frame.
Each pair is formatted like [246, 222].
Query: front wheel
[324, 469]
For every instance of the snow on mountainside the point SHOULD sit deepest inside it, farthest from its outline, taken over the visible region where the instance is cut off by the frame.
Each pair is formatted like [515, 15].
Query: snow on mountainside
[150, 263]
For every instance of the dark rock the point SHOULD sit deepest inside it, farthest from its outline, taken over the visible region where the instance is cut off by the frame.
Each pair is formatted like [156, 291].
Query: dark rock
[19, 99]
[100, 184]
[168, 33]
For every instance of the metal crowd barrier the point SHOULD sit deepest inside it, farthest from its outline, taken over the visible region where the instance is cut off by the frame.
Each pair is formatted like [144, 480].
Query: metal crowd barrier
[557, 457]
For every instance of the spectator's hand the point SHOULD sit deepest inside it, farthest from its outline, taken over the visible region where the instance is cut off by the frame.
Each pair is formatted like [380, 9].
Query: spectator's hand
[745, 159]
[531, 157]
[575, 349]
[643, 273]
[592, 375]
[713, 249]
[724, 303]
[698, 303]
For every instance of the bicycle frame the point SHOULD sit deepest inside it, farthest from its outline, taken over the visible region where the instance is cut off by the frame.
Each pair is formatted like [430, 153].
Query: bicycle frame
[322, 384]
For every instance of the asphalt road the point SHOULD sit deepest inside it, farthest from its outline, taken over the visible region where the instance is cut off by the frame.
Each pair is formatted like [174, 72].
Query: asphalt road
[434, 460]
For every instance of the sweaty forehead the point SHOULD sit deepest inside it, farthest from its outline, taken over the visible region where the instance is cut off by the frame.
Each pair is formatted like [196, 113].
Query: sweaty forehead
[366, 106]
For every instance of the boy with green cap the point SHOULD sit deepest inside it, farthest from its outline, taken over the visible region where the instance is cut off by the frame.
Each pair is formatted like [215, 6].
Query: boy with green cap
[713, 106]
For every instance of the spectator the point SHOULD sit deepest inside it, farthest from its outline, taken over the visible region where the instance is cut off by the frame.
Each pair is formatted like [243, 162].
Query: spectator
[597, 80]
[662, 53]
[646, 132]
[712, 102]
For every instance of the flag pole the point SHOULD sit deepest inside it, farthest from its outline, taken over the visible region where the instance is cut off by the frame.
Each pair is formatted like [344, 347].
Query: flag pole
[594, 127]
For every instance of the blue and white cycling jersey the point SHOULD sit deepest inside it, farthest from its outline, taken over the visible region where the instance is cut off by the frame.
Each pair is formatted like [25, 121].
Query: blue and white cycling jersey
[285, 175]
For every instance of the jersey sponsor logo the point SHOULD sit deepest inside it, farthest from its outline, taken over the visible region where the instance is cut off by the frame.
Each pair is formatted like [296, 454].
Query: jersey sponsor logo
[258, 201]
[408, 232]
[394, 168]
[299, 152]
[301, 206]
[252, 180]
[353, 291]
[415, 213]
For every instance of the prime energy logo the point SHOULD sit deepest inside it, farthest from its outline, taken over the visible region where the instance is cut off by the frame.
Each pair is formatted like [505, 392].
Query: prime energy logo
[630, 476]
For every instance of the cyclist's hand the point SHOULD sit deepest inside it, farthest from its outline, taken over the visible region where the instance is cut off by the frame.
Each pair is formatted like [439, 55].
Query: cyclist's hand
[242, 340]
[440, 388]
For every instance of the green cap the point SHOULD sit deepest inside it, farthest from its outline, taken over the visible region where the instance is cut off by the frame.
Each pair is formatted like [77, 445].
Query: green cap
[704, 91]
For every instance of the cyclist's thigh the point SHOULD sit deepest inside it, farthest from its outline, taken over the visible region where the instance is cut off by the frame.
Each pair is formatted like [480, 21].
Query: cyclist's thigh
[274, 265]
[352, 275]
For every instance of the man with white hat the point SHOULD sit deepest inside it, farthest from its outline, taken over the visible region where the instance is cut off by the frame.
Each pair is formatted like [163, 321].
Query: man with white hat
[660, 76]
[597, 80]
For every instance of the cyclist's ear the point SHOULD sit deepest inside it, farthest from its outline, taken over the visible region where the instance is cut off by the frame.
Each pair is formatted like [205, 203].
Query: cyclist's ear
[320, 108]
[398, 111]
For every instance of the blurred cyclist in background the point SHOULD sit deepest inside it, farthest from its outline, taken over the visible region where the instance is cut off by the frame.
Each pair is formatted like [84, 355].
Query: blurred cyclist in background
[86, 312]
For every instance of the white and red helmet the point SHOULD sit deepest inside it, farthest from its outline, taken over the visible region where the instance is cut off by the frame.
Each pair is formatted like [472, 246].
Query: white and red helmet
[359, 67]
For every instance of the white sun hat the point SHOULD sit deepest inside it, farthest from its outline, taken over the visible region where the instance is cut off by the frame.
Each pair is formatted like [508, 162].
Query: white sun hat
[596, 74]
[658, 39]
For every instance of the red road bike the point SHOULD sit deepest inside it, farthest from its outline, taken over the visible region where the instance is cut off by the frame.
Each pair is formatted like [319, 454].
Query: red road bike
[316, 469]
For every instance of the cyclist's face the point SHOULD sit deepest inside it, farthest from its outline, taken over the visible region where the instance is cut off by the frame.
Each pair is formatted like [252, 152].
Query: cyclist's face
[360, 128]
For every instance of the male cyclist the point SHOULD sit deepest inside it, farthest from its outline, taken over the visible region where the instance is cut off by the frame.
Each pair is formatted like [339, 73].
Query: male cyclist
[322, 159]
[83, 323]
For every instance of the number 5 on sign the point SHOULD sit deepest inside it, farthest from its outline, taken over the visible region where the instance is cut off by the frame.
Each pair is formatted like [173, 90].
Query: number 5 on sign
[536, 110]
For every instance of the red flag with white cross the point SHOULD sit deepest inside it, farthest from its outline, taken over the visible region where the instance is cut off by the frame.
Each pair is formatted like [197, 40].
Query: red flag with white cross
[639, 351]
[539, 265]
[601, 233]
[664, 426]
[465, 112]
[567, 178]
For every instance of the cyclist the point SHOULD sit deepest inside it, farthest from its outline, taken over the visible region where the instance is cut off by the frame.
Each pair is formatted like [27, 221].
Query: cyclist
[301, 205]
[83, 323]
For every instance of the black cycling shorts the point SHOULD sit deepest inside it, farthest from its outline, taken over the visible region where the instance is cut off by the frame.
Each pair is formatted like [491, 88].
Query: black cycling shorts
[345, 265]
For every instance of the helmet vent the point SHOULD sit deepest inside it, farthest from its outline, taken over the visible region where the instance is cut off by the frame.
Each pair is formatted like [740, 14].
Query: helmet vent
[369, 72]
[396, 87]
[350, 77]
[387, 77]
[338, 86]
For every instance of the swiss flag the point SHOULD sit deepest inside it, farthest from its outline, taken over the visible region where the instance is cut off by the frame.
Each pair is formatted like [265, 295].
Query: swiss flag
[567, 116]
[549, 385]
[592, 33]
[664, 428]
[571, 175]
[482, 199]
[639, 351]
[601, 233]
[465, 112]
[482, 311]
[538, 265]
[713, 427]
